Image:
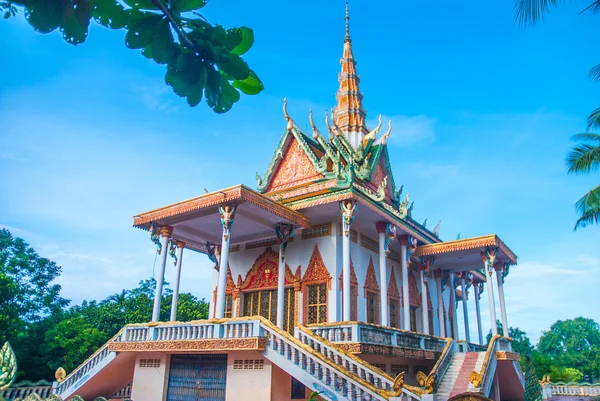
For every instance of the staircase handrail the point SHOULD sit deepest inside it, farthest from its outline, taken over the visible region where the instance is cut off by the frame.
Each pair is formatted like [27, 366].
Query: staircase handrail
[481, 378]
[386, 394]
[394, 386]
[432, 381]
[67, 382]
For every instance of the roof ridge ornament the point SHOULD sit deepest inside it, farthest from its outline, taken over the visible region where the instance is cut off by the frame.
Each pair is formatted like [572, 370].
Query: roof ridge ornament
[387, 134]
[347, 37]
[373, 133]
[315, 130]
[290, 122]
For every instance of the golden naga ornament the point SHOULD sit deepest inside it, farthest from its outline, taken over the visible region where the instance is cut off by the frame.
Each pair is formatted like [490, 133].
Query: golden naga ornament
[60, 375]
[8, 366]
[476, 379]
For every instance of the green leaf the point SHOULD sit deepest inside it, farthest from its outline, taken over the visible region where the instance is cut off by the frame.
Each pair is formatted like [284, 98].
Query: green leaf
[235, 67]
[212, 91]
[247, 41]
[76, 18]
[44, 16]
[183, 6]
[163, 45]
[218, 36]
[234, 38]
[111, 14]
[142, 31]
[229, 95]
[141, 4]
[187, 76]
[251, 85]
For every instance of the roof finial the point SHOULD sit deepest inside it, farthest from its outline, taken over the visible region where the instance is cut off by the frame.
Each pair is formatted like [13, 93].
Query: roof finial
[347, 37]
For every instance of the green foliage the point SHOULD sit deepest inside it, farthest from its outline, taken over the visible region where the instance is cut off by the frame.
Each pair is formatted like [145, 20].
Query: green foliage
[585, 158]
[202, 60]
[27, 294]
[573, 344]
[83, 329]
[533, 390]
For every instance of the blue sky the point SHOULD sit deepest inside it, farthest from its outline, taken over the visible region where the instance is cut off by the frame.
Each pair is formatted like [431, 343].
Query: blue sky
[482, 111]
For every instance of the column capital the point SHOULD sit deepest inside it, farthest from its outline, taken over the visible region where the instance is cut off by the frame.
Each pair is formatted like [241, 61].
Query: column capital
[439, 273]
[347, 208]
[180, 244]
[488, 257]
[381, 226]
[284, 233]
[426, 262]
[166, 231]
[227, 214]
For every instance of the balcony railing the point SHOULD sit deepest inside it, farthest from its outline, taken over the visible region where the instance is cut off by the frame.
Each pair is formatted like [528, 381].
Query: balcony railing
[360, 332]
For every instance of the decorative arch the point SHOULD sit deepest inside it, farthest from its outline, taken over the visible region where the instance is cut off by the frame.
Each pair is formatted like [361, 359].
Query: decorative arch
[372, 294]
[264, 273]
[413, 291]
[316, 272]
[394, 300]
[353, 291]
[315, 285]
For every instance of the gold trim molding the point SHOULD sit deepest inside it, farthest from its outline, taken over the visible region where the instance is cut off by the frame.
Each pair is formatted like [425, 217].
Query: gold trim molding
[233, 344]
[465, 244]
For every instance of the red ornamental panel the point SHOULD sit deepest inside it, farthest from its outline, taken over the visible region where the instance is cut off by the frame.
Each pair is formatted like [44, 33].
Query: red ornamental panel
[265, 271]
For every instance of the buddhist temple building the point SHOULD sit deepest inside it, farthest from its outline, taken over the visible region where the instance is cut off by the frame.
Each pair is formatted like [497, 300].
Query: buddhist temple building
[322, 281]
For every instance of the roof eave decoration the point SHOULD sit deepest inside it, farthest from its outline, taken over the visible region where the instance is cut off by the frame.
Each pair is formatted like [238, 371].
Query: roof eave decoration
[383, 208]
[465, 244]
[232, 194]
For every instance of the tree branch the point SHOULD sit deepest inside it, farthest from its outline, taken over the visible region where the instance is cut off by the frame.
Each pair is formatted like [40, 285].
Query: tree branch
[182, 36]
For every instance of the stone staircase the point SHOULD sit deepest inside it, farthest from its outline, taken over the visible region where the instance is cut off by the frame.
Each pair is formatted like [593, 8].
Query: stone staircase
[456, 380]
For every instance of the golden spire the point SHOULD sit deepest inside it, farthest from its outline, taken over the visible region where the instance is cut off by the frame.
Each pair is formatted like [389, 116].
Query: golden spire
[349, 115]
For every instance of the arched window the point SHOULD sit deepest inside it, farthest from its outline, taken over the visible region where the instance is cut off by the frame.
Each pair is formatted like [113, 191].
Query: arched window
[394, 301]
[372, 294]
[315, 286]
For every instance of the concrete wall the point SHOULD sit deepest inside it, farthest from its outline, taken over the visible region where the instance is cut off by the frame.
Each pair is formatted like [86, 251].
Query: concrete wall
[248, 385]
[281, 386]
[150, 383]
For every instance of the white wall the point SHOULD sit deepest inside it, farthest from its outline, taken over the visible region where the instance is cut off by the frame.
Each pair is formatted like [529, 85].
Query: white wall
[248, 385]
[150, 383]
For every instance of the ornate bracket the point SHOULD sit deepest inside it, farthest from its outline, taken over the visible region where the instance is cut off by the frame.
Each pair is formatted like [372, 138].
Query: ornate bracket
[155, 237]
[227, 214]
[172, 251]
[403, 208]
[427, 262]
[347, 207]
[390, 236]
[284, 232]
[212, 251]
[480, 287]
[488, 256]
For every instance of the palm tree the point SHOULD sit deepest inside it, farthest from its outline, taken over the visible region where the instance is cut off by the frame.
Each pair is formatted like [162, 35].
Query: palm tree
[585, 158]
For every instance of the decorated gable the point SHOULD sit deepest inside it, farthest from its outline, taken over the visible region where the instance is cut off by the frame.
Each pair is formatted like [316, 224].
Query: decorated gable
[294, 168]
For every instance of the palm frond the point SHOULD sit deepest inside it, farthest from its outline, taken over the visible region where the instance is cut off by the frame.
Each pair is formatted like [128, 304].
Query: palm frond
[528, 12]
[586, 137]
[594, 8]
[588, 208]
[594, 73]
[593, 121]
[583, 158]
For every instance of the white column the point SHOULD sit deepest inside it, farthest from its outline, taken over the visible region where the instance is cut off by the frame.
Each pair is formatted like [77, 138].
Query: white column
[424, 304]
[405, 300]
[478, 312]
[165, 233]
[453, 306]
[227, 215]
[347, 208]
[180, 246]
[500, 281]
[381, 228]
[440, 302]
[284, 233]
[490, 289]
[463, 288]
